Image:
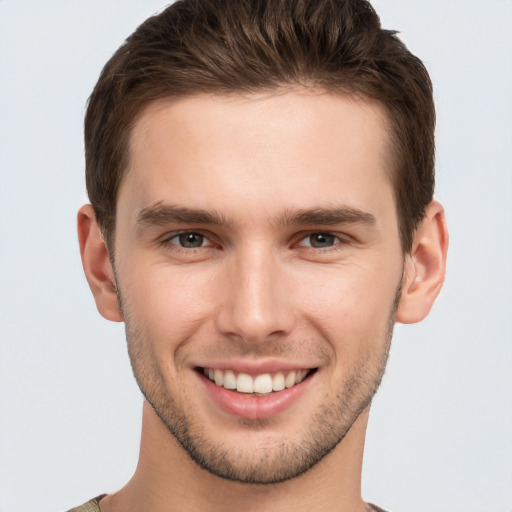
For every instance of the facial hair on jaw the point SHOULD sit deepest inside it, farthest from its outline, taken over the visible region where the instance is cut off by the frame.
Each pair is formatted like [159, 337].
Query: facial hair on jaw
[325, 431]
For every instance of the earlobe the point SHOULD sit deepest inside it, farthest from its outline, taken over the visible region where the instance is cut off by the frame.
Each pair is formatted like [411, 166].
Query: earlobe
[97, 266]
[425, 266]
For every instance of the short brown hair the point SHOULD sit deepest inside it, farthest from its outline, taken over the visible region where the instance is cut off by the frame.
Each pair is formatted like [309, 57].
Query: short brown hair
[244, 46]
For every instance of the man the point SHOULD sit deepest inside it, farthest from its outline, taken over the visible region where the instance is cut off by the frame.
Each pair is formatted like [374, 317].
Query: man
[261, 185]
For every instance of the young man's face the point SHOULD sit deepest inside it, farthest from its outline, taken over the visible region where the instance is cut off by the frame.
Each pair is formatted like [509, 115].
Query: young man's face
[257, 240]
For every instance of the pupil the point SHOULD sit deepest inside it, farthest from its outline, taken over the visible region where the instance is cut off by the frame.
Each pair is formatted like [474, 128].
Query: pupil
[191, 240]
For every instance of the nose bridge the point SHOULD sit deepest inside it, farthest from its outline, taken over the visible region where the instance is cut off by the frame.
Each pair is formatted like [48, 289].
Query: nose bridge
[255, 305]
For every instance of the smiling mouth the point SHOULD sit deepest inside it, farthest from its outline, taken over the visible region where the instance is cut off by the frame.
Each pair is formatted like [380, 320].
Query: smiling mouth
[262, 384]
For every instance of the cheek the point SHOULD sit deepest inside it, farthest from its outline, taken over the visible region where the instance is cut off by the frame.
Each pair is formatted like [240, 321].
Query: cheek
[164, 304]
[351, 309]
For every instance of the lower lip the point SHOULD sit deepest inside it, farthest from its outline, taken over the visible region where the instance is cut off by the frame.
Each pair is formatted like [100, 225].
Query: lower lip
[253, 407]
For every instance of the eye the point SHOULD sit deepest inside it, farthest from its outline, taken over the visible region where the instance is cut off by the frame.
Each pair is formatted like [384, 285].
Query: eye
[189, 240]
[320, 240]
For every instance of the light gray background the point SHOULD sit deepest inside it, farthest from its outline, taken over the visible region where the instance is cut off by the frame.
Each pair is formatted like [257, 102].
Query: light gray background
[441, 428]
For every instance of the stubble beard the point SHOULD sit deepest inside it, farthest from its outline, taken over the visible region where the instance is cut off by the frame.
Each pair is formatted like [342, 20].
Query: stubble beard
[269, 464]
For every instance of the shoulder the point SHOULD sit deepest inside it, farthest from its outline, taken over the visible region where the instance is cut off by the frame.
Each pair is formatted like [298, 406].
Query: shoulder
[373, 508]
[90, 506]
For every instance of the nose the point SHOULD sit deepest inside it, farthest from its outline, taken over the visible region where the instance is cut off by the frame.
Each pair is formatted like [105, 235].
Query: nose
[256, 302]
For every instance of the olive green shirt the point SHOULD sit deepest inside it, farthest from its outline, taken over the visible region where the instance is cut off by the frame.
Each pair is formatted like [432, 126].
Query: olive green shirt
[93, 506]
[90, 506]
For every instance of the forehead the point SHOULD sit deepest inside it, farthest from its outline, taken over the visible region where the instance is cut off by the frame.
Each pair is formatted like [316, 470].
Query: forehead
[298, 148]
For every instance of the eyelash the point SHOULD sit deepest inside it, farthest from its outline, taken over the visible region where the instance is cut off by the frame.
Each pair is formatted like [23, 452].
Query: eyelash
[336, 240]
[168, 241]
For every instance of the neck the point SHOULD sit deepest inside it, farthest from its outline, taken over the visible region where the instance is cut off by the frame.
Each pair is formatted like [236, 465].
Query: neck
[166, 479]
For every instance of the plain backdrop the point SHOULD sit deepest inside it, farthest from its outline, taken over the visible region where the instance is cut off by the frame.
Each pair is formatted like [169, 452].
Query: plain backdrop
[440, 435]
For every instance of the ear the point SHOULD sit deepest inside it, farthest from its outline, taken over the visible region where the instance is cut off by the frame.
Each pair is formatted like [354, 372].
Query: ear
[97, 266]
[425, 266]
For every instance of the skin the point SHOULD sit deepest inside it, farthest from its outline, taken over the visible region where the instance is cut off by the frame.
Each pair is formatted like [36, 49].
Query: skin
[266, 283]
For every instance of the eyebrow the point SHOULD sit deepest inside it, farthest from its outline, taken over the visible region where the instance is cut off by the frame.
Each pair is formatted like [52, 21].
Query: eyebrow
[326, 216]
[160, 214]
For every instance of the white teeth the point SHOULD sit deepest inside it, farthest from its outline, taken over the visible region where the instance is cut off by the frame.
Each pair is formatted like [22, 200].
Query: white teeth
[229, 380]
[261, 384]
[278, 383]
[244, 383]
[219, 377]
[290, 379]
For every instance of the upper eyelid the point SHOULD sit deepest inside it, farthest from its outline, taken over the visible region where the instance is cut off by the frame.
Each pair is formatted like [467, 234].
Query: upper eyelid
[338, 241]
[177, 235]
[343, 237]
[172, 234]
[174, 247]
[167, 239]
